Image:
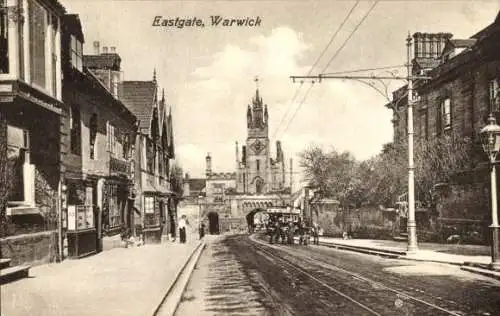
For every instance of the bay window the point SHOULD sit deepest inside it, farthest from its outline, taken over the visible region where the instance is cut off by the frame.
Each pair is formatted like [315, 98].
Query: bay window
[18, 157]
[38, 26]
[4, 38]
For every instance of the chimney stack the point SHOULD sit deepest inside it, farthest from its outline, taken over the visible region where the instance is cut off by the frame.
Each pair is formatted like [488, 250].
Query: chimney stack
[187, 176]
[104, 49]
[208, 169]
[96, 48]
[113, 49]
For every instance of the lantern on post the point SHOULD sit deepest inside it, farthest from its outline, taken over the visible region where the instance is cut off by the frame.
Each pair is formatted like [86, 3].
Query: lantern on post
[490, 139]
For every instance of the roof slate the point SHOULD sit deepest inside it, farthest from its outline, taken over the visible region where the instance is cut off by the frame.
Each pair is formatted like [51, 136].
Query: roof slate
[102, 61]
[139, 97]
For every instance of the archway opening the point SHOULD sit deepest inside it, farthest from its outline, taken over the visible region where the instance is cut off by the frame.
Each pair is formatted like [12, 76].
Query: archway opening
[213, 223]
[257, 219]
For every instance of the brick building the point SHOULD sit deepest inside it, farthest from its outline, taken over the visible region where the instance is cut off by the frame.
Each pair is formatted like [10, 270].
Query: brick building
[463, 89]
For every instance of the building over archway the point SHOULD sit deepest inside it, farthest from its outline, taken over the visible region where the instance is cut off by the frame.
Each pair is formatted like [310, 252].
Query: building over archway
[260, 181]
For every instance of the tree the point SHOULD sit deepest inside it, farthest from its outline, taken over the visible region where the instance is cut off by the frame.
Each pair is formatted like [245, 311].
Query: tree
[176, 176]
[332, 173]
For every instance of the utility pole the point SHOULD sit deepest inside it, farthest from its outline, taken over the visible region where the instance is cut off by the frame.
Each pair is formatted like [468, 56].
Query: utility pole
[412, 227]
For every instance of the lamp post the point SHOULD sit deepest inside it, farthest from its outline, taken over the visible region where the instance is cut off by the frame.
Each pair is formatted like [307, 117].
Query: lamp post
[490, 139]
[201, 233]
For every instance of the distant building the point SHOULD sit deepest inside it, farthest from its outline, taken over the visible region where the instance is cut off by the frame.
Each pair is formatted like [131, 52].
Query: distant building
[259, 182]
[154, 147]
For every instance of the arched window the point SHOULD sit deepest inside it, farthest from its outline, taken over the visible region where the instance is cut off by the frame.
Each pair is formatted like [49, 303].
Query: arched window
[259, 184]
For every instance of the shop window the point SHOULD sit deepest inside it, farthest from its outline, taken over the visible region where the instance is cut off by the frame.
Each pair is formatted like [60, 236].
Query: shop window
[18, 157]
[38, 28]
[115, 205]
[4, 38]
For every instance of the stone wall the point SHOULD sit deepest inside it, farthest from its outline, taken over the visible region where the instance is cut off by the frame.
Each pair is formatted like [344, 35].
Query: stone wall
[34, 249]
[365, 222]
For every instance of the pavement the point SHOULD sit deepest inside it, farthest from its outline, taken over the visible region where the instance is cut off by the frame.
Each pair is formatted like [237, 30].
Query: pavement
[121, 281]
[472, 258]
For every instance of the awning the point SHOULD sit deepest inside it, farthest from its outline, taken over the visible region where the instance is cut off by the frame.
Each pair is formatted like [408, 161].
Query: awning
[149, 187]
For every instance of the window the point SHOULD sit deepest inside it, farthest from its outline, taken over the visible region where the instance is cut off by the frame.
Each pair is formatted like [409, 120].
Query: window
[150, 156]
[20, 23]
[446, 114]
[149, 205]
[93, 135]
[110, 138]
[53, 32]
[494, 95]
[18, 155]
[74, 125]
[126, 145]
[114, 206]
[4, 39]
[76, 53]
[258, 164]
[258, 186]
[38, 29]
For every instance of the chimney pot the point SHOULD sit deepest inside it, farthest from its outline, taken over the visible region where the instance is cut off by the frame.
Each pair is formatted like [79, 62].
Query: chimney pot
[104, 49]
[96, 48]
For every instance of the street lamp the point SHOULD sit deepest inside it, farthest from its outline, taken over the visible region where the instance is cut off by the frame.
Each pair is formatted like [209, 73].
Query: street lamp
[200, 199]
[490, 139]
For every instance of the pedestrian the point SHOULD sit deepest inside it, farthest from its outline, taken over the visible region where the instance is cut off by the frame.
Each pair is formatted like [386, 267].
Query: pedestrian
[202, 230]
[315, 232]
[182, 229]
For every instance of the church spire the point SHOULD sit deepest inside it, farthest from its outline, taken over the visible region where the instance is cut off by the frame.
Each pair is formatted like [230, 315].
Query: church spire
[154, 75]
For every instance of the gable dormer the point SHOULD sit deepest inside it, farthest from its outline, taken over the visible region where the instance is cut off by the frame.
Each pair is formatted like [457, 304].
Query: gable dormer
[454, 47]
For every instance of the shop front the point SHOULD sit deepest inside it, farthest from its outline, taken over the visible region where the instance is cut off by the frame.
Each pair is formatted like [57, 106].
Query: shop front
[81, 217]
[155, 211]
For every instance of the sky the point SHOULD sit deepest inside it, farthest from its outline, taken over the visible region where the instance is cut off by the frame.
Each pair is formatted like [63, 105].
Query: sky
[208, 73]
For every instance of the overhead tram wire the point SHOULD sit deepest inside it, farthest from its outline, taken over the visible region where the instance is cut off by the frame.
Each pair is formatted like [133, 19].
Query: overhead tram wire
[316, 63]
[349, 37]
[362, 70]
[334, 56]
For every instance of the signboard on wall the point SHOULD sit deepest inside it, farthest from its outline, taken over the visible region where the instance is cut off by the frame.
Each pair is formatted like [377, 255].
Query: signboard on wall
[71, 217]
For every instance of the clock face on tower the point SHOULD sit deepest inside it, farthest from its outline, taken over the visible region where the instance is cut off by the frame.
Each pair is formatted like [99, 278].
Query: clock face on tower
[257, 146]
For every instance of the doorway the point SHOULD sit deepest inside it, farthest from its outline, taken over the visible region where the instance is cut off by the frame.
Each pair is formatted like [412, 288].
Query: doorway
[213, 223]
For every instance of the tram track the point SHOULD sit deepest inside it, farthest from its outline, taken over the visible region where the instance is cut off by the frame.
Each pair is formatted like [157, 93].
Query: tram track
[367, 294]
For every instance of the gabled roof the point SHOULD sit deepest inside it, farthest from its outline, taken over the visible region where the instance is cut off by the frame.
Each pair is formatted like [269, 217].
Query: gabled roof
[102, 61]
[489, 29]
[74, 26]
[139, 97]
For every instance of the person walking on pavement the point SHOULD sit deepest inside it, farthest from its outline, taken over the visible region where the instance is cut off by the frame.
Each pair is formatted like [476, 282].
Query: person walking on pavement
[315, 232]
[182, 229]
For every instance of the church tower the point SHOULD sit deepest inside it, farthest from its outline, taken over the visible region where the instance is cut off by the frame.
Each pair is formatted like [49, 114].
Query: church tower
[257, 144]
